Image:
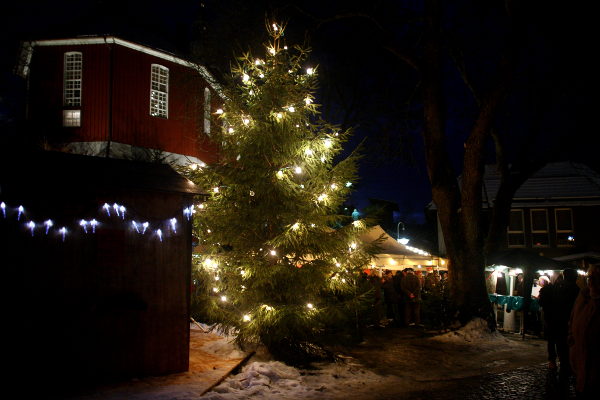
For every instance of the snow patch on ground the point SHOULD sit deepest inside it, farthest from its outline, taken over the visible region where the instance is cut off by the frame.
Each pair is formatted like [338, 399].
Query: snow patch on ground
[475, 332]
[275, 380]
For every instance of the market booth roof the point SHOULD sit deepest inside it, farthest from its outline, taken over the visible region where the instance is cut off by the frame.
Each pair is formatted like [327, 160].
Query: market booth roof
[395, 256]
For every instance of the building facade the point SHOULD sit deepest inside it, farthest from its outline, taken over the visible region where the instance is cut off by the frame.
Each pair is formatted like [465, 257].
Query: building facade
[555, 213]
[105, 96]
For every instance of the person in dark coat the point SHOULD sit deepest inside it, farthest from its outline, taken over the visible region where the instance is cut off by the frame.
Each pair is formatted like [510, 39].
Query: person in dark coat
[397, 279]
[546, 300]
[584, 337]
[411, 289]
[565, 294]
[390, 296]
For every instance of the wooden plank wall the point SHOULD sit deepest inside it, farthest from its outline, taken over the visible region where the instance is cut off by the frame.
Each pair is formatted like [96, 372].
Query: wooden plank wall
[95, 307]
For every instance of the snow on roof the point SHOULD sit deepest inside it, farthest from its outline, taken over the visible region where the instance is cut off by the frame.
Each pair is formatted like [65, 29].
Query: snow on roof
[557, 181]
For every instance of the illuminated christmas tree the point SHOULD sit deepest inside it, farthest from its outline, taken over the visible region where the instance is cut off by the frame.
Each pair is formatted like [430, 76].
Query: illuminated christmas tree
[278, 265]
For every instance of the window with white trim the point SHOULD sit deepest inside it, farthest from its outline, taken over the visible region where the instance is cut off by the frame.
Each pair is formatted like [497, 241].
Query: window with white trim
[539, 227]
[207, 111]
[159, 91]
[565, 235]
[72, 118]
[516, 230]
[72, 79]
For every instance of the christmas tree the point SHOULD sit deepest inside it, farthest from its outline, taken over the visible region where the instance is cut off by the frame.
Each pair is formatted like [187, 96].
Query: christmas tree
[278, 265]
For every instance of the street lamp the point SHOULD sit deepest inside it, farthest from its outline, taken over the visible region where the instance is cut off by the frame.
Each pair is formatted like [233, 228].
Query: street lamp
[402, 240]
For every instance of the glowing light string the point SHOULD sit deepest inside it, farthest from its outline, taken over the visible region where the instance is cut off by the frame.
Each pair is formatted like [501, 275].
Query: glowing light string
[48, 223]
[85, 224]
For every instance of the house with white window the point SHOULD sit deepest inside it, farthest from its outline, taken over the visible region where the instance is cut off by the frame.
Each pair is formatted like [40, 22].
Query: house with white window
[106, 96]
[555, 213]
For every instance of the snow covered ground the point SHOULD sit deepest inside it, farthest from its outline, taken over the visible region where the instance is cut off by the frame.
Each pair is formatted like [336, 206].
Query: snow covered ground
[390, 363]
[355, 380]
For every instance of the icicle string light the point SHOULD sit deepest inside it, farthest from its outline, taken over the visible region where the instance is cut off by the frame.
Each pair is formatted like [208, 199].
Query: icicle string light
[85, 224]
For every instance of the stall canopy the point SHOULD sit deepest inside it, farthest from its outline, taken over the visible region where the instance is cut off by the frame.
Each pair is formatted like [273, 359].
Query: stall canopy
[522, 258]
[395, 256]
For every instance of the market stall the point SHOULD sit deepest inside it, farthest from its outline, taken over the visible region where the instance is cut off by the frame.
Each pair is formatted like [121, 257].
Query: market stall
[396, 256]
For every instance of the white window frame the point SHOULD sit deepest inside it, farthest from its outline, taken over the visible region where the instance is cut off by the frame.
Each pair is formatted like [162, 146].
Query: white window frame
[207, 110]
[571, 231]
[72, 78]
[72, 118]
[539, 231]
[159, 91]
[513, 232]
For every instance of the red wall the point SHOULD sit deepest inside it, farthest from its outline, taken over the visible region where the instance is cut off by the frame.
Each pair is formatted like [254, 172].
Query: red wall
[129, 101]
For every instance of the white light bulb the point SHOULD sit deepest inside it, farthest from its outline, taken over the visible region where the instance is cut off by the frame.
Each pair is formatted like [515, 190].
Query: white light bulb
[273, 253]
[308, 101]
[291, 109]
[327, 143]
[310, 71]
[246, 121]
[230, 130]
[247, 318]
[280, 174]
[308, 152]
[216, 189]
[310, 305]
[298, 170]
[223, 298]
[245, 78]
[219, 111]
[279, 115]
[333, 186]
[31, 226]
[48, 223]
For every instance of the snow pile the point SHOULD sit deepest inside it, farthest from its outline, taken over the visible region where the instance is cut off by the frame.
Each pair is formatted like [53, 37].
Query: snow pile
[223, 347]
[258, 378]
[275, 380]
[476, 331]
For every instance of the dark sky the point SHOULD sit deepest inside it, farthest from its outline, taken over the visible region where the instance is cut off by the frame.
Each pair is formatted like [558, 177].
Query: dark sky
[364, 85]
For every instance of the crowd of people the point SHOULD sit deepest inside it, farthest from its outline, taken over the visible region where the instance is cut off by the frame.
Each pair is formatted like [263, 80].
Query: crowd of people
[399, 295]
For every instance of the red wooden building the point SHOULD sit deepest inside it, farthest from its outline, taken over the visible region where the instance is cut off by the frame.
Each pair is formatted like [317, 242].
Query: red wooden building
[105, 96]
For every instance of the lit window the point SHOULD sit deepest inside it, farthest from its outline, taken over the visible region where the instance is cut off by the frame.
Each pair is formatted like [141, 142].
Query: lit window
[207, 111]
[565, 235]
[72, 79]
[72, 118]
[539, 227]
[516, 232]
[159, 91]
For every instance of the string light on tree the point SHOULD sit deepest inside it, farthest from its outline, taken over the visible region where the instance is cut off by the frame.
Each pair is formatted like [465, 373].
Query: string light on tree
[281, 138]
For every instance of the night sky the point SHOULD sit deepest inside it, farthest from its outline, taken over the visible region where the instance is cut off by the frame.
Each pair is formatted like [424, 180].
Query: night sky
[364, 86]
